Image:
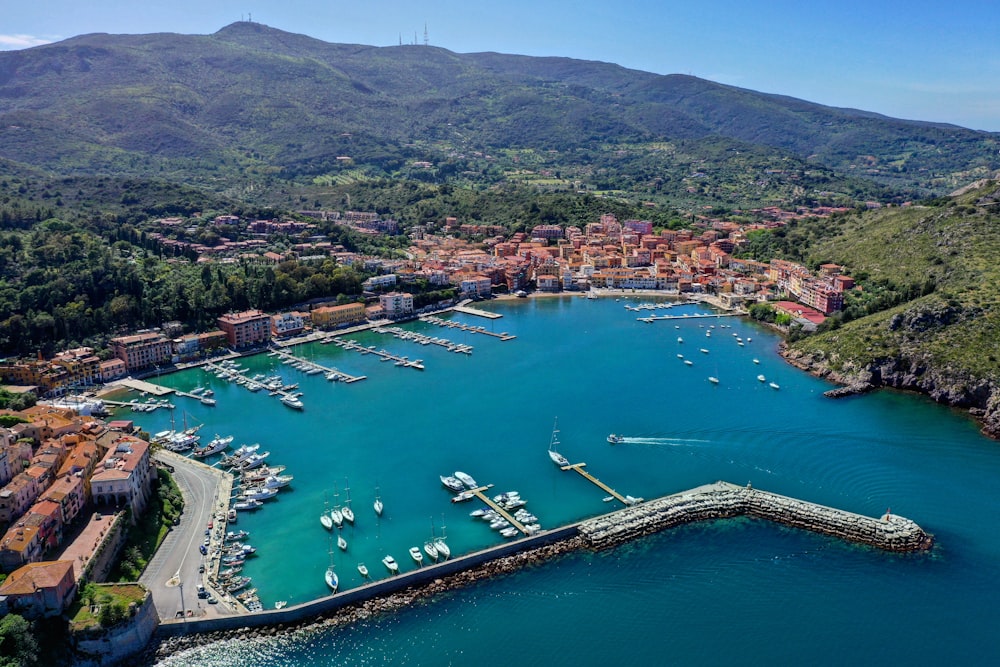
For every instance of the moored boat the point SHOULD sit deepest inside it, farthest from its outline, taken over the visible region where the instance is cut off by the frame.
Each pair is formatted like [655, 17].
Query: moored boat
[452, 483]
[556, 457]
[466, 479]
[391, 564]
[363, 570]
[416, 555]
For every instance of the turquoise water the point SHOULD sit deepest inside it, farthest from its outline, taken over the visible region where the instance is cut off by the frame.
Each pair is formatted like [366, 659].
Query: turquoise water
[720, 593]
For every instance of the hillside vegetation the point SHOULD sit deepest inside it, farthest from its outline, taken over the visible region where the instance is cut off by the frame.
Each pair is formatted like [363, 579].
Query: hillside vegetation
[945, 339]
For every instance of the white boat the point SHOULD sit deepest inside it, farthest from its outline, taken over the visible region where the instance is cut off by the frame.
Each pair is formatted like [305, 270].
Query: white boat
[703, 351]
[463, 496]
[346, 510]
[281, 604]
[509, 532]
[240, 455]
[756, 361]
[713, 379]
[556, 457]
[326, 521]
[452, 483]
[762, 378]
[774, 385]
[689, 362]
[680, 340]
[391, 564]
[275, 481]
[331, 579]
[292, 402]
[363, 569]
[245, 505]
[615, 439]
[258, 493]
[466, 479]
[416, 555]
[341, 543]
[377, 505]
[205, 400]
[680, 356]
[253, 461]
[431, 549]
[216, 445]
[442, 547]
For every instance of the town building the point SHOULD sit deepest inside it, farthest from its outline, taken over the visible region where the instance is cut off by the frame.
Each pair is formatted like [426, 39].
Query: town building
[251, 327]
[124, 477]
[143, 350]
[287, 324]
[331, 317]
[38, 590]
[396, 304]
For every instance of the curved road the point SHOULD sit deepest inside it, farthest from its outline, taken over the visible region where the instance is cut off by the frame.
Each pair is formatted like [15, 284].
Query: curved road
[174, 568]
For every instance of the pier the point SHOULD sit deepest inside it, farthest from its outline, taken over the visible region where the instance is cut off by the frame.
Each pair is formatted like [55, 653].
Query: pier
[384, 355]
[423, 339]
[451, 324]
[578, 467]
[478, 313]
[331, 373]
[649, 319]
[499, 510]
[155, 390]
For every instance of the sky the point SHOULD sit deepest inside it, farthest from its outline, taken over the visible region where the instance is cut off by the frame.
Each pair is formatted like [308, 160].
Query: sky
[915, 59]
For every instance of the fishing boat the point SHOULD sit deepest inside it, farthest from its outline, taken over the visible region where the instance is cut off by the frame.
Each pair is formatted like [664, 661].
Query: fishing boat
[363, 569]
[416, 555]
[615, 439]
[556, 457]
[466, 479]
[379, 507]
[391, 564]
[236, 536]
[452, 483]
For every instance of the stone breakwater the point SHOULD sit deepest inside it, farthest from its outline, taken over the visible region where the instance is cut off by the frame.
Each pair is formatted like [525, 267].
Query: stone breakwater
[723, 500]
[713, 501]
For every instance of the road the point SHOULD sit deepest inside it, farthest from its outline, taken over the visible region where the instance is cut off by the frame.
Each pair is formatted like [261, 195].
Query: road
[173, 571]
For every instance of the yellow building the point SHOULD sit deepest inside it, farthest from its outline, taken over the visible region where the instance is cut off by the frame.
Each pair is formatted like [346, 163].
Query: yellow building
[330, 317]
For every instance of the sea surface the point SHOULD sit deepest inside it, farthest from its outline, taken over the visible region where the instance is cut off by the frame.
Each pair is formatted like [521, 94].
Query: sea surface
[729, 592]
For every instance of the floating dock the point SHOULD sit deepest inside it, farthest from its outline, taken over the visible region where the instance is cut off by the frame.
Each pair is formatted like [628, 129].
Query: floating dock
[424, 339]
[384, 355]
[649, 319]
[499, 510]
[150, 388]
[451, 324]
[578, 467]
[331, 373]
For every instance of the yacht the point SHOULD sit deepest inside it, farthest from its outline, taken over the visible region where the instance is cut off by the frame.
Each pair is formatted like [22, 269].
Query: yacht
[216, 445]
[556, 457]
[292, 402]
[363, 569]
[774, 385]
[713, 379]
[391, 564]
[452, 483]
[466, 479]
[379, 507]
[688, 362]
[416, 555]
[615, 439]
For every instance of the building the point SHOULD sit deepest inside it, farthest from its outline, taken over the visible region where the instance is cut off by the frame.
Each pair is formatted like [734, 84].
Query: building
[476, 287]
[14, 456]
[251, 327]
[144, 350]
[82, 366]
[287, 324]
[22, 544]
[40, 589]
[380, 282]
[396, 304]
[331, 317]
[113, 369]
[124, 477]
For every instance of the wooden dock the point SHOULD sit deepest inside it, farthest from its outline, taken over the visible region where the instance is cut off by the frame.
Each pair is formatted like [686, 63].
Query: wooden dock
[148, 387]
[499, 510]
[424, 339]
[330, 373]
[478, 313]
[578, 467]
[384, 355]
[433, 319]
[649, 319]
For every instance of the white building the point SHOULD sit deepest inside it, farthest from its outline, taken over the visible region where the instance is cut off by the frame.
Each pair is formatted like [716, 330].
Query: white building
[396, 304]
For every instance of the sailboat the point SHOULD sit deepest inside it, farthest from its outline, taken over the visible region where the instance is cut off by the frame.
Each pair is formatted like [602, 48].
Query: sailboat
[331, 575]
[556, 457]
[442, 547]
[429, 545]
[378, 503]
[341, 542]
[335, 514]
[346, 510]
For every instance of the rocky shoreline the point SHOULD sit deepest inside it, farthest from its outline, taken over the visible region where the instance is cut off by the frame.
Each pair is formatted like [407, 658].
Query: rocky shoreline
[981, 397]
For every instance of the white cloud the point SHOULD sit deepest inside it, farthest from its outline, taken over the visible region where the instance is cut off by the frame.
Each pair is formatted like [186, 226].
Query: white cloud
[11, 42]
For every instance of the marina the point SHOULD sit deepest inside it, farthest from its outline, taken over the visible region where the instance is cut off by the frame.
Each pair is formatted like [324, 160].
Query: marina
[308, 366]
[649, 319]
[579, 468]
[422, 339]
[463, 308]
[403, 362]
[468, 328]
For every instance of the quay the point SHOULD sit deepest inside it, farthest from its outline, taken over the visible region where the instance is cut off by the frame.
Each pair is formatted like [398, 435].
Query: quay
[649, 319]
[385, 356]
[462, 308]
[720, 500]
[499, 510]
[150, 388]
[331, 373]
[424, 339]
[578, 467]
[137, 406]
[433, 319]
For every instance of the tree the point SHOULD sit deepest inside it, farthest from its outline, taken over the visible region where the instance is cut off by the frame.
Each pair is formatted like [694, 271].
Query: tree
[18, 647]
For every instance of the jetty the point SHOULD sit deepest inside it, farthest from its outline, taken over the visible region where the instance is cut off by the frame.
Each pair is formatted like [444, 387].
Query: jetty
[423, 339]
[578, 467]
[150, 388]
[451, 324]
[308, 365]
[649, 319]
[479, 493]
[462, 308]
[403, 362]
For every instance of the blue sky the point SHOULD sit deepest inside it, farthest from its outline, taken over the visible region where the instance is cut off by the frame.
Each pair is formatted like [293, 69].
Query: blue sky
[918, 59]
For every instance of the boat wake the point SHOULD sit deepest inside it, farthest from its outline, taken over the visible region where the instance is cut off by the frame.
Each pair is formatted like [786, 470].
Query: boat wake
[665, 442]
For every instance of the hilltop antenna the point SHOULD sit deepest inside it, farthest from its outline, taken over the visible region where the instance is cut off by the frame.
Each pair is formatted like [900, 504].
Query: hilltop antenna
[250, 17]
[426, 41]
[400, 39]
[414, 38]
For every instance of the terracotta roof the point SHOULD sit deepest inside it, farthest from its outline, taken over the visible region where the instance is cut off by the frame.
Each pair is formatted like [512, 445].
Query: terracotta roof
[27, 578]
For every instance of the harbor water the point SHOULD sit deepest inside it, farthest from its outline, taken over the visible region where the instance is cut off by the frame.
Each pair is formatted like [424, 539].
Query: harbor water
[715, 593]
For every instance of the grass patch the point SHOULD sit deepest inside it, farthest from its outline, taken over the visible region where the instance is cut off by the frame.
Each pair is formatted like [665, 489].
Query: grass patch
[103, 605]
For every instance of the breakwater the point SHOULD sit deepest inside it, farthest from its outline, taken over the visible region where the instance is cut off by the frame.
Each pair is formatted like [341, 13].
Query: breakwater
[723, 500]
[709, 502]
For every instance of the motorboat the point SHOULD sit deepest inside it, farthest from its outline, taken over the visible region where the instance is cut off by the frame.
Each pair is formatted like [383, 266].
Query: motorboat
[703, 351]
[292, 402]
[391, 564]
[240, 455]
[680, 340]
[509, 532]
[341, 543]
[762, 378]
[245, 505]
[556, 457]
[253, 461]
[615, 439]
[363, 570]
[774, 385]
[463, 496]
[466, 479]
[713, 379]
[688, 362]
[431, 549]
[416, 555]
[452, 483]
[216, 445]
[258, 493]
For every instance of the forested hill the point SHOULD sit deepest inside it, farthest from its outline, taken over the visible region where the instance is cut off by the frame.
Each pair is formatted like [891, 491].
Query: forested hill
[254, 96]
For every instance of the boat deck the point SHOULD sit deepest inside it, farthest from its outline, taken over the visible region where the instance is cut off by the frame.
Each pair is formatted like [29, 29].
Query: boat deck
[341, 375]
[387, 356]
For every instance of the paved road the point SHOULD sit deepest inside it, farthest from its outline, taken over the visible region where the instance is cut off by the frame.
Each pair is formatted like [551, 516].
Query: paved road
[175, 565]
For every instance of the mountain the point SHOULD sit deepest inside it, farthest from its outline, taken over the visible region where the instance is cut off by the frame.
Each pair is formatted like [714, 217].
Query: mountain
[254, 99]
[940, 262]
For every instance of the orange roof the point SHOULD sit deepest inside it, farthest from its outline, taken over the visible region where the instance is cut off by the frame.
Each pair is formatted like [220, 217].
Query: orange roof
[27, 578]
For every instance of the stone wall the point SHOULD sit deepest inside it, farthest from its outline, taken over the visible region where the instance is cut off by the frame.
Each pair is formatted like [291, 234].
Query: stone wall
[117, 644]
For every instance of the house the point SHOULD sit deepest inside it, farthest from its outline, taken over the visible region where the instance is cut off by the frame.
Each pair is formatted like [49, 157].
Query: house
[125, 475]
[40, 589]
